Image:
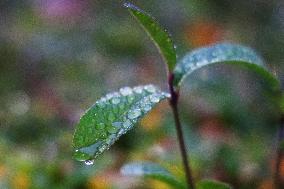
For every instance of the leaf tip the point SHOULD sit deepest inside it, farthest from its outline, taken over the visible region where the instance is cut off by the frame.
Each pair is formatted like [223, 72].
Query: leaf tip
[129, 5]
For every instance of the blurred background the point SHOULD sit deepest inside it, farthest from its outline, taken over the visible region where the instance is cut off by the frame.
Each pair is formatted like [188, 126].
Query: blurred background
[57, 57]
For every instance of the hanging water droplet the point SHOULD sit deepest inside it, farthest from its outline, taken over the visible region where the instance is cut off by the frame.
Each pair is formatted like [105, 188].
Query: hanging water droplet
[89, 162]
[125, 91]
[115, 100]
[154, 98]
[150, 88]
[168, 95]
[132, 114]
[100, 126]
[138, 89]
[127, 123]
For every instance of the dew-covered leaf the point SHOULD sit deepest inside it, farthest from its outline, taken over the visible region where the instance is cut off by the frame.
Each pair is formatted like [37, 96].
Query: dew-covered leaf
[110, 117]
[159, 35]
[211, 184]
[151, 170]
[224, 53]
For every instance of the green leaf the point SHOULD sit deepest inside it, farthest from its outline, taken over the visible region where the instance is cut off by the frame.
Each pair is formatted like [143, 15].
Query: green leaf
[159, 35]
[110, 117]
[224, 53]
[151, 170]
[210, 184]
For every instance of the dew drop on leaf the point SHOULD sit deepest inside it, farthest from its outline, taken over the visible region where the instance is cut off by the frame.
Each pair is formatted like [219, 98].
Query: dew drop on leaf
[130, 99]
[127, 123]
[112, 130]
[121, 106]
[138, 89]
[102, 148]
[100, 104]
[117, 124]
[115, 100]
[120, 132]
[111, 117]
[150, 88]
[146, 107]
[154, 98]
[125, 91]
[132, 114]
[100, 126]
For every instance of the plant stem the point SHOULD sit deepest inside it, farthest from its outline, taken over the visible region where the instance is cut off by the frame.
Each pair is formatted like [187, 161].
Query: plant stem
[185, 159]
[280, 153]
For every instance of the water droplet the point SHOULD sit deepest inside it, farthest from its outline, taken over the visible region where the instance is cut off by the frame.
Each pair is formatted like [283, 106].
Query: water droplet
[120, 132]
[138, 89]
[121, 106]
[100, 126]
[127, 123]
[130, 99]
[125, 91]
[115, 100]
[168, 95]
[103, 99]
[154, 98]
[150, 88]
[89, 162]
[103, 135]
[146, 107]
[109, 96]
[111, 117]
[102, 148]
[111, 139]
[132, 114]
[101, 104]
[112, 129]
[117, 124]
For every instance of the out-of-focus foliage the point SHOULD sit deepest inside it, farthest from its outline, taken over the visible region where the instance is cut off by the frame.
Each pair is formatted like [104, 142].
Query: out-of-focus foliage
[58, 57]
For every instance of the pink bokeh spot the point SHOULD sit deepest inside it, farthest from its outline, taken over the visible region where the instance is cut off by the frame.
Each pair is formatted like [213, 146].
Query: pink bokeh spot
[61, 10]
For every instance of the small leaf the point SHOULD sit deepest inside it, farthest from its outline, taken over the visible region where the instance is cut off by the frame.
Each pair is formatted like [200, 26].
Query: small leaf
[111, 117]
[210, 184]
[222, 53]
[151, 170]
[159, 35]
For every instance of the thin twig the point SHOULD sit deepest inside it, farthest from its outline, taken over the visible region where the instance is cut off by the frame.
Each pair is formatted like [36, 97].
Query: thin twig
[185, 159]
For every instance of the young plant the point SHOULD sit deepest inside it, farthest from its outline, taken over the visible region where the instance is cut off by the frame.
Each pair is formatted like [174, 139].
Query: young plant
[116, 113]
